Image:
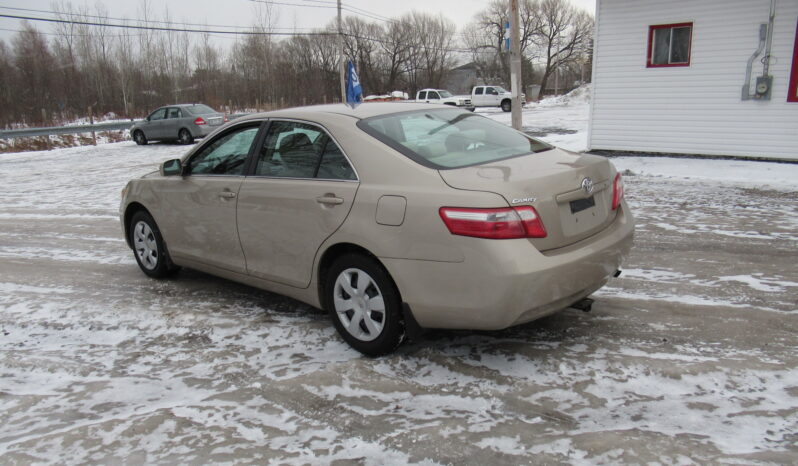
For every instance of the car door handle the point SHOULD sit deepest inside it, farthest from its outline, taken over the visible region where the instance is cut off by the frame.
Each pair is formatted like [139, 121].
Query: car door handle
[227, 194]
[329, 200]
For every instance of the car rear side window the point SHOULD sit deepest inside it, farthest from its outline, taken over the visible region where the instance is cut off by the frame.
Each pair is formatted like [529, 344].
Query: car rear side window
[450, 138]
[299, 150]
[173, 113]
[226, 155]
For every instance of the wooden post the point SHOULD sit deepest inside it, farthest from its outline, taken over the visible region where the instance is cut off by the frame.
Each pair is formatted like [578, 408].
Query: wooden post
[304, 101]
[46, 137]
[324, 99]
[257, 105]
[91, 121]
[282, 102]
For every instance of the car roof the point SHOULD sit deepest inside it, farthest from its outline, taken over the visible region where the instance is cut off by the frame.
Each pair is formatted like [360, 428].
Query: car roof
[360, 111]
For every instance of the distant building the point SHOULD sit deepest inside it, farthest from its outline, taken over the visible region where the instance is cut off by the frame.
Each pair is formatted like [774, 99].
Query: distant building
[684, 76]
[460, 80]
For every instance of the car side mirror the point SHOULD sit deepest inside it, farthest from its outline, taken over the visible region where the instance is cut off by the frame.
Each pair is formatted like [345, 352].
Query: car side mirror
[172, 168]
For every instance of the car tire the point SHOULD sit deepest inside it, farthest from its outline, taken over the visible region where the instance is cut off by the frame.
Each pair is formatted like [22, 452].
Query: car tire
[140, 138]
[364, 304]
[507, 105]
[185, 137]
[149, 248]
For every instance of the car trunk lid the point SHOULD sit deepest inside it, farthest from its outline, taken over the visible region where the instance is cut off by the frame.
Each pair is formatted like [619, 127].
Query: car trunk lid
[571, 192]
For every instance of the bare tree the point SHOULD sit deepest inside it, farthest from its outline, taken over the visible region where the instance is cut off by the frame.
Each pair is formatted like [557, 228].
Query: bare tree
[563, 38]
[34, 63]
[431, 50]
[485, 37]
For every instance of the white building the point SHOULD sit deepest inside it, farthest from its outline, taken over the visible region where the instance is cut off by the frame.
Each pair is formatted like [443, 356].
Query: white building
[668, 77]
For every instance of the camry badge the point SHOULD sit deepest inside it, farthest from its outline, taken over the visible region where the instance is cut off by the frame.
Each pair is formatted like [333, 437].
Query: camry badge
[524, 200]
[587, 185]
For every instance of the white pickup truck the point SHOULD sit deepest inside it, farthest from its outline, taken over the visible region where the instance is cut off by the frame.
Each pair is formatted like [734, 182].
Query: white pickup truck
[441, 96]
[493, 96]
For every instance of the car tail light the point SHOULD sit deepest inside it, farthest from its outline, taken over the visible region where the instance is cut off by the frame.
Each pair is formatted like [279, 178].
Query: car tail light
[200, 121]
[226, 119]
[617, 191]
[501, 223]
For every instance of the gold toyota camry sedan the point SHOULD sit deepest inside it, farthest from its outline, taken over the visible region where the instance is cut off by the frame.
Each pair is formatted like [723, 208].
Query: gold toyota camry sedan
[394, 217]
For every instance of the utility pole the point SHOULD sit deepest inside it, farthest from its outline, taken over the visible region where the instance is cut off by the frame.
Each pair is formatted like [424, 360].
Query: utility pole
[341, 64]
[515, 63]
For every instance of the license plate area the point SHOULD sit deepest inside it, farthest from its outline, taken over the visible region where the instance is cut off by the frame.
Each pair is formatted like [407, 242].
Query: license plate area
[582, 204]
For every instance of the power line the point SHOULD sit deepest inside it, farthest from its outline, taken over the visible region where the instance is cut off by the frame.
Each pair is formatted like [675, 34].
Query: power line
[145, 21]
[158, 28]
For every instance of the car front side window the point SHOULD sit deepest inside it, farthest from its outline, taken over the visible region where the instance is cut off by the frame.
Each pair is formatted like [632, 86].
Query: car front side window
[157, 115]
[226, 155]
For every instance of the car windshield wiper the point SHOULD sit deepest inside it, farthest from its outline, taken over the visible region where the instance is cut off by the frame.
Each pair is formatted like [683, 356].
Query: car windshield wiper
[451, 122]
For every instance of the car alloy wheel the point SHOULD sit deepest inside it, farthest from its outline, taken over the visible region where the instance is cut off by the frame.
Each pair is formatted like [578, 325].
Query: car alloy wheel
[507, 106]
[359, 304]
[185, 137]
[139, 137]
[145, 245]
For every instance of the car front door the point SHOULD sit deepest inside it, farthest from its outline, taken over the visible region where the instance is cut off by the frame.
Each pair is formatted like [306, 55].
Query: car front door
[299, 192]
[198, 218]
[153, 125]
[491, 96]
[433, 97]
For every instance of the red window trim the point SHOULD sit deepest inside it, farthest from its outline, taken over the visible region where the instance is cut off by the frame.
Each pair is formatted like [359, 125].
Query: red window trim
[651, 30]
[792, 93]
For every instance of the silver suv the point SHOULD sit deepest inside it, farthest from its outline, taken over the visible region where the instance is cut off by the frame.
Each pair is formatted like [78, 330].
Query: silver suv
[182, 123]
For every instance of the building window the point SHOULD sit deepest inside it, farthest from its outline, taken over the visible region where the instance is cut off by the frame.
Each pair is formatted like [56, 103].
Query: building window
[669, 45]
[792, 93]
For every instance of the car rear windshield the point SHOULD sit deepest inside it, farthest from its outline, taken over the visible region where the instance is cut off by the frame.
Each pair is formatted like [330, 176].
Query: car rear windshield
[200, 109]
[453, 138]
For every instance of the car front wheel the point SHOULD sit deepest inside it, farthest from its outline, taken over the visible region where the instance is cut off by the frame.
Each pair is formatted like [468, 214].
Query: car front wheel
[506, 106]
[149, 247]
[364, 305]
[140, 138]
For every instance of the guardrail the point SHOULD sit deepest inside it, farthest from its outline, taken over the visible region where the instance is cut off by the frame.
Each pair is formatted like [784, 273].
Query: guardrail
[56, 130]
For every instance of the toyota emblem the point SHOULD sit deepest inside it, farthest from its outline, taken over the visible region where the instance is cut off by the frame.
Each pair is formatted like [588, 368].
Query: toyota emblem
[587, 185]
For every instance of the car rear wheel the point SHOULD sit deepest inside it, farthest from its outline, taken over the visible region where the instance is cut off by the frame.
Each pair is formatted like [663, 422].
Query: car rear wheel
[506, 105]
[148, 246]
[140, 138]
[185, 137]
[364, 305]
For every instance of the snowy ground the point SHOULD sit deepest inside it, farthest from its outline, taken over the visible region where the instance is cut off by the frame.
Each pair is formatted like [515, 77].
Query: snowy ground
[688, 357]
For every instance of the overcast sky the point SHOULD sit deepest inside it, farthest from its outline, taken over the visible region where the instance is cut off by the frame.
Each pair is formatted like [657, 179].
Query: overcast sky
[239, 12]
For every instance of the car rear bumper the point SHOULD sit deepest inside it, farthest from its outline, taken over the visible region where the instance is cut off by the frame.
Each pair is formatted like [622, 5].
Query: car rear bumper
[200, 131]
[503, 283]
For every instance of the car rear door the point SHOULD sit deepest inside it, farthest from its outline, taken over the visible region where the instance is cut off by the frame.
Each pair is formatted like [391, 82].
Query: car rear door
[477, 98]
[171, 126]
[300, 190]
[198, 217]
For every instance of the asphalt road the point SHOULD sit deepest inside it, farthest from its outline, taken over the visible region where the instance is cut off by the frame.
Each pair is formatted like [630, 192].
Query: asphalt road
[690, 356]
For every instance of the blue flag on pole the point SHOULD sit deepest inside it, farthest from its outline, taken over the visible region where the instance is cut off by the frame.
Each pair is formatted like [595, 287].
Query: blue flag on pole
[354, 92]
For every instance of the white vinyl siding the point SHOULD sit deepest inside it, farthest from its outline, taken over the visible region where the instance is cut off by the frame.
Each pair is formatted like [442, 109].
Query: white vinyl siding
[695, 109]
